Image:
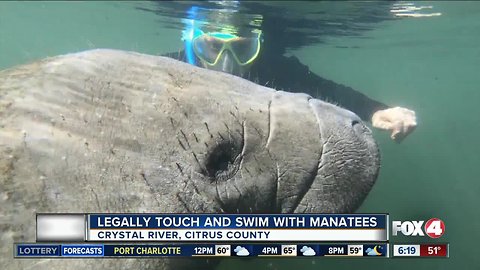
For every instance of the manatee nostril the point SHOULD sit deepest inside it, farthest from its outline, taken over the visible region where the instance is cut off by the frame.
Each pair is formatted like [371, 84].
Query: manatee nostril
[222, 162]
[359, 127]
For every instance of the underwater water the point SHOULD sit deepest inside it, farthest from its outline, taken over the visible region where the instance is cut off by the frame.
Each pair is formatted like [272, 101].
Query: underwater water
[429, 64]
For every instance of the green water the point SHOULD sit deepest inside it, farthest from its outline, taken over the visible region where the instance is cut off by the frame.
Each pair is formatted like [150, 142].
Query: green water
[431, 65]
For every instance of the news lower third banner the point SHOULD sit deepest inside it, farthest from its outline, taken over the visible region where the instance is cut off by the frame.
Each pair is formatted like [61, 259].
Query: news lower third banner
[212, 227]
[52, 250]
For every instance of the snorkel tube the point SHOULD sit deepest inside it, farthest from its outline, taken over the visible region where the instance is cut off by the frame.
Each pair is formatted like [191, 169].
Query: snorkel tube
[189, 34]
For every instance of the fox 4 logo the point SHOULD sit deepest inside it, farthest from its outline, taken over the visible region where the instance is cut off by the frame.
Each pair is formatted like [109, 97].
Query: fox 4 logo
[434, 228]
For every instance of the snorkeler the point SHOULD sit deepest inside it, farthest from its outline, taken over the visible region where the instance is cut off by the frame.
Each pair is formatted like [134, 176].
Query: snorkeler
[253, 57]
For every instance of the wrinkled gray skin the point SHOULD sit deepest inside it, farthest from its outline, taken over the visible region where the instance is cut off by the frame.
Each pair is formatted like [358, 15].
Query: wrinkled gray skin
[113, 131]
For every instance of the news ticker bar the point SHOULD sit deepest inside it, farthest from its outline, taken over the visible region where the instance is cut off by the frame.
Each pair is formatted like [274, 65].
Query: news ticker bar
[212, 227]
[36, 250]
[421, 250]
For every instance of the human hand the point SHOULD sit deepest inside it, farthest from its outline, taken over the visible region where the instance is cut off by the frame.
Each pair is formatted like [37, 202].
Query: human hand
[398, 120]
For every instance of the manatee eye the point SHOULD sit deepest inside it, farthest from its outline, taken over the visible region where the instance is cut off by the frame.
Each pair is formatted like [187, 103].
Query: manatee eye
[355, 122]
[223, 161]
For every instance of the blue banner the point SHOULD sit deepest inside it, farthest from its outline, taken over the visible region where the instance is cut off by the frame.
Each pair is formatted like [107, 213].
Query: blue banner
[237, 221]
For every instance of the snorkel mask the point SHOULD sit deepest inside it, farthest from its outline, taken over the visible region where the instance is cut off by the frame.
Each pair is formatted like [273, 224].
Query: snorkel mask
[221, 51]
[226, 52]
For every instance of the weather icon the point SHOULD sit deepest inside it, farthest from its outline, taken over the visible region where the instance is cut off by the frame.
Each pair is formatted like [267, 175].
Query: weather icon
[375, 251]
[307, 251]
[241, 251]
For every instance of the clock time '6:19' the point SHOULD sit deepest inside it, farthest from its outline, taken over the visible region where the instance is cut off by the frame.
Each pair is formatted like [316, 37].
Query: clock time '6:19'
[407, 250]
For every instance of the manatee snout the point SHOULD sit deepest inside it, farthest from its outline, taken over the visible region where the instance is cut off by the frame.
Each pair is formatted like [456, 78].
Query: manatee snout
[326, 159]
[349, 162]
[282, 152]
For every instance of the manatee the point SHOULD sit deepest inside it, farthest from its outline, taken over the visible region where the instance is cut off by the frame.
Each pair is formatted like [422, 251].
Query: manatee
[109, 131]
